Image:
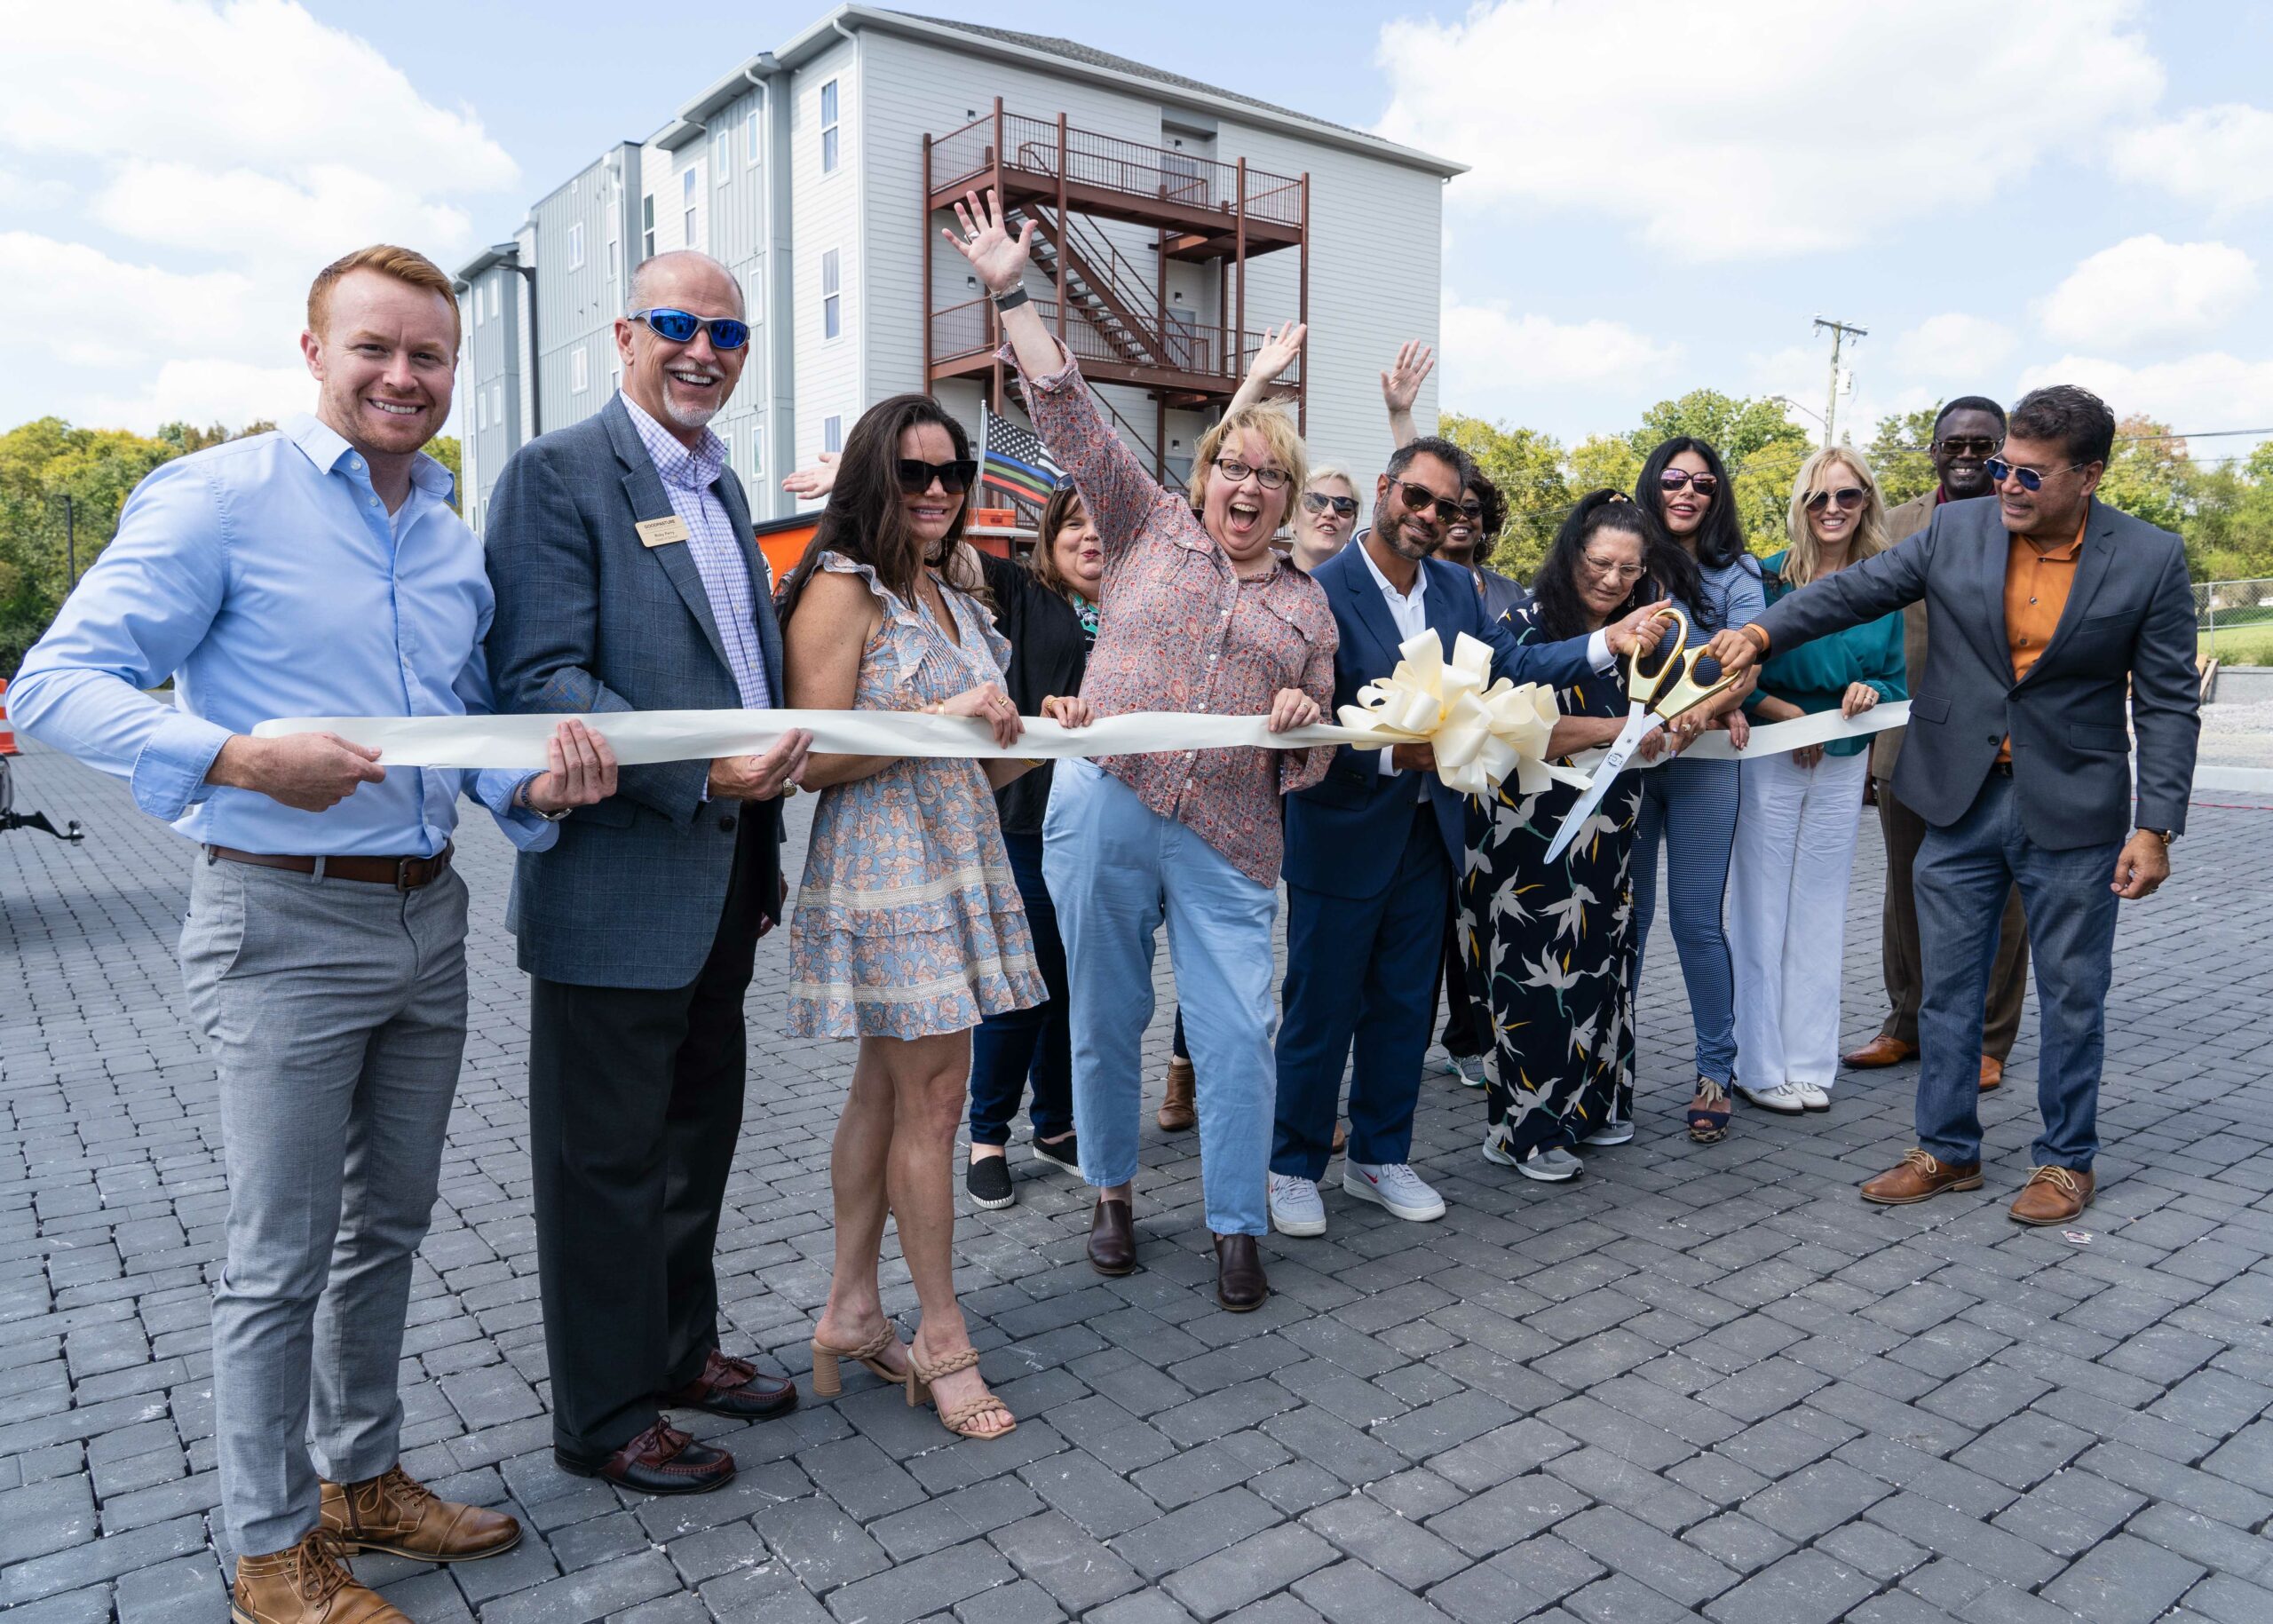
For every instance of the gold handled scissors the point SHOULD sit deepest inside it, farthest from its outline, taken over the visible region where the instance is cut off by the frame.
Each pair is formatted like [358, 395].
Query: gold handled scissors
[1654, 698]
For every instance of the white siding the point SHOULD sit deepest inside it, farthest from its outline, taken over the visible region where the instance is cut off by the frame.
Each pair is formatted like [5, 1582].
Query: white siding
[825, 214]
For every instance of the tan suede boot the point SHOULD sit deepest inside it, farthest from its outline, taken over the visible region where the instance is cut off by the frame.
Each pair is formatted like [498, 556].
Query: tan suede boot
[1176, 1114]
[307, 1584]
[395, 1512]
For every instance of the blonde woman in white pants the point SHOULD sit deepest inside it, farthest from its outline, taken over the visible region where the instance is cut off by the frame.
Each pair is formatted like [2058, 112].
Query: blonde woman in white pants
[1797, 817]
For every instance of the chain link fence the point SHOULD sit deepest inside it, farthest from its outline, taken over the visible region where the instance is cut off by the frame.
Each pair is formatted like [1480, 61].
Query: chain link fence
[2234, 621]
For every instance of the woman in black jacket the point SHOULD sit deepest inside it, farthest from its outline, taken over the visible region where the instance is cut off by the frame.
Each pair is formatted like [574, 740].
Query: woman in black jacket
[1048, 611]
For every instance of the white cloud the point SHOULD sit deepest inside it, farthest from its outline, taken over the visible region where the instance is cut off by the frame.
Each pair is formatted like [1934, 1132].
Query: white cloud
[1746, 133]
[310, 218]
[2145, 291]
[202, 391]
[1487, 344]
[2221, 156]
[1954, 351]
[98, 313]
[2194, 394]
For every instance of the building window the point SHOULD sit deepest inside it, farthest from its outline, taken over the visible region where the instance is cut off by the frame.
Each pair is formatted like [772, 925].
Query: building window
[687, 199]
[757, 451]
[648, 226]
[828, 128]
[496, 287]
[750, 147]
[580, 369]
[831, 433]
[576, 245]
[722, 158]
[497, 404]
[477, 305]
[481, 408]
[726, 446]
[832, 315]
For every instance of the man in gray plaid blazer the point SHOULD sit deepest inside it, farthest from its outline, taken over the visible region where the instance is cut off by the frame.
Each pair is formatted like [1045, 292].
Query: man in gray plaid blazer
[627, 578]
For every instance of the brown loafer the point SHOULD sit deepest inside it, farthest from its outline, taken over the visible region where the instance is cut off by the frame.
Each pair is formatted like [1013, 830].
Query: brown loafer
[1992, 1073]
[1113, 1239]
[735, 1388]
[1176, 1113]
[1880, 1051]
[305, 1584]
[1240, 1284]
[1919, 1178]
[395, 1512]
[661, 1461]
[1341, 1138]
[2053, 1195]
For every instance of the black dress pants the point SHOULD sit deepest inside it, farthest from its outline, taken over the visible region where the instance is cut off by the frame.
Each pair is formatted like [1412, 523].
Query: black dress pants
[635, 1106]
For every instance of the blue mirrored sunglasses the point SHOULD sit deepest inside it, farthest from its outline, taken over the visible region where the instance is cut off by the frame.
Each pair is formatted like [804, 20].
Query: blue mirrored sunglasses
[680, 326]
[2030, 479]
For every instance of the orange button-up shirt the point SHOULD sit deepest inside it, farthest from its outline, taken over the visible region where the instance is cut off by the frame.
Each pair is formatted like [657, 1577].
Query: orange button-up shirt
[2037, 584]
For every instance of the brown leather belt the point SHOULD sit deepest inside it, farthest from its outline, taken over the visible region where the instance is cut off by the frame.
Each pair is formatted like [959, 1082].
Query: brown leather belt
[403, 872]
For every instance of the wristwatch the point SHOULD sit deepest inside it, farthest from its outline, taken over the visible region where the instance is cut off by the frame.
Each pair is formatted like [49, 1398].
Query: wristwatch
[522, 803]
[2165, 836]
[1011, 300]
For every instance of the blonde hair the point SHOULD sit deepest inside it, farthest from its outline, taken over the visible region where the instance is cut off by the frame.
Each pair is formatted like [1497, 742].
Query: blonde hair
[1324, 472]
[1870, 525]
[402, 264]
[1278, 432]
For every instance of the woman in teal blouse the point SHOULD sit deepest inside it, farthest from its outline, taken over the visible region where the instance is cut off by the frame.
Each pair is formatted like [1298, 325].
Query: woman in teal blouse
[1799, 810]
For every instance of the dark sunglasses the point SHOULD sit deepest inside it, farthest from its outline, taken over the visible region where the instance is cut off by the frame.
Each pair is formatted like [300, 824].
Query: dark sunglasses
[955, 478]
[1975, 446]
[1318, 502]
[1847, 496]
[1419, 499]
[680, 326]
[2030, 479]
[1674, 479]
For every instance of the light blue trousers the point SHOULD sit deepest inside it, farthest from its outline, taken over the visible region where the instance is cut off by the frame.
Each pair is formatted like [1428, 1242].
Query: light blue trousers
[1109, 861]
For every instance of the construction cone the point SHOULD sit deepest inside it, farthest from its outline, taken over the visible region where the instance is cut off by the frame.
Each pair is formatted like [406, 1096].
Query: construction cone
[7, 734]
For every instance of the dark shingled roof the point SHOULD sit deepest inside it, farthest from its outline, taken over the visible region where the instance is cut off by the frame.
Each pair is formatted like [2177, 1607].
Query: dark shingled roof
[1075, 52]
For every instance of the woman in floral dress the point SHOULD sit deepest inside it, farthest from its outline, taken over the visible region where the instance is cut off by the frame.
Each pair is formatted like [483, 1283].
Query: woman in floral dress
[908, 930]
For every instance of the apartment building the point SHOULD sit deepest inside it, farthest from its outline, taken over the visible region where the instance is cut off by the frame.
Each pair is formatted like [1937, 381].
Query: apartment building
[1176, 222]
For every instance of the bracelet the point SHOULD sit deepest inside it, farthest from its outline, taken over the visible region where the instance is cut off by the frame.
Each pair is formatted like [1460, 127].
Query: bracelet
[1011, 300]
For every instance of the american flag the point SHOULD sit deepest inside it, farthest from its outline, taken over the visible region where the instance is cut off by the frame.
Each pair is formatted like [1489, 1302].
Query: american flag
[1012, 461]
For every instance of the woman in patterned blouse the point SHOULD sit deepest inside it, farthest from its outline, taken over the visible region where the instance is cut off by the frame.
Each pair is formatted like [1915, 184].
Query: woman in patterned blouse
[1206, 618]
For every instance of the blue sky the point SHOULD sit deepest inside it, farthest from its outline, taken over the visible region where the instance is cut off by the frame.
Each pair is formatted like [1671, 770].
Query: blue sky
[1663, 193]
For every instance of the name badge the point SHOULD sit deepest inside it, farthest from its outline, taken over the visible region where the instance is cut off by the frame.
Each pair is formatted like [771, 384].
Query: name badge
[661, 532]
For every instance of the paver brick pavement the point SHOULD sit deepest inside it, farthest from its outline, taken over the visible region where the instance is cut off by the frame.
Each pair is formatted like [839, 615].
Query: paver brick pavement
[1701, 1382]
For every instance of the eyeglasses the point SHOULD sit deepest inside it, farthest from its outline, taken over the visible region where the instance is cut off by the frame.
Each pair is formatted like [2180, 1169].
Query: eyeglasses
[1674, 479]
[1235, 471]
[1318, 502]
[1609, 569]
[680, 326]
[1419, 499]
[1974, 445]
[2030, 479]
[1847, 496]
[955, 478]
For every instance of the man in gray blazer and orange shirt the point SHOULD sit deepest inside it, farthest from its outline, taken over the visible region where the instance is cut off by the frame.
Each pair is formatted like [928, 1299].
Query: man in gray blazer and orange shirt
[2045, 608]
[626, 579]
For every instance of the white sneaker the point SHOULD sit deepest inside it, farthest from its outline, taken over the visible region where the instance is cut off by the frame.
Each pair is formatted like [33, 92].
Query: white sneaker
[1813, 1098]
[1549, 1164]
[1296, 1207]
[1396, 1187]
[1468, 1068]
[1784, 1099]
[1616, 1130]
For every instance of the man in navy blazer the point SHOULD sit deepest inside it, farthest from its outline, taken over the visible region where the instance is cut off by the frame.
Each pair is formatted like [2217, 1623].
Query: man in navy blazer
[1372, 849]
[626, 579]
[2056, 620]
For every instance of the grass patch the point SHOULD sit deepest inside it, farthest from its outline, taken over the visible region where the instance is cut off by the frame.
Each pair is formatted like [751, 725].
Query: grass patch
[2245, 645]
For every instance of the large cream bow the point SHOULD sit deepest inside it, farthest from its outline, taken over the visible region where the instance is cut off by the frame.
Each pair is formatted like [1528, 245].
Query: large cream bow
[1482, 730]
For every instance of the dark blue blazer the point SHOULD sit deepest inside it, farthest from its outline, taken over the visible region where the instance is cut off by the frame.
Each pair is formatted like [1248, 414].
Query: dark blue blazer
[1346, 833]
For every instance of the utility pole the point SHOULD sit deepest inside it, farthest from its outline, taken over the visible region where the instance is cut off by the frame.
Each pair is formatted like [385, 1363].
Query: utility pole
[1840, 331]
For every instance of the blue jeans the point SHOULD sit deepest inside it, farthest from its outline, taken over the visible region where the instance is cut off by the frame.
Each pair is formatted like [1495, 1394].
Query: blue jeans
[1011, 1048]
[1962, 875]
[1362, 970]
[1692, 807]
[1108, 860]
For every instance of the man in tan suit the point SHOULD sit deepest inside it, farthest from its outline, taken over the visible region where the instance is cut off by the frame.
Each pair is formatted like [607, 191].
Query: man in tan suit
[1968, 432]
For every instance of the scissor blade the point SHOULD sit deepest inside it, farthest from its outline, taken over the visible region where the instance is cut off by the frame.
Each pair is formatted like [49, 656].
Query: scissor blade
[1636, 724]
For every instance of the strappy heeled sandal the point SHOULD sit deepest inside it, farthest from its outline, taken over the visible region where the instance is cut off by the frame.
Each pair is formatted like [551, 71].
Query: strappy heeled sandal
[829, 1381]
[1709, 1113]
[958, 1420]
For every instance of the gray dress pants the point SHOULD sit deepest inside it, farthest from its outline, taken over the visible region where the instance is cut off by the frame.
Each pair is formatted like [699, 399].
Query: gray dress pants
[335, 1012]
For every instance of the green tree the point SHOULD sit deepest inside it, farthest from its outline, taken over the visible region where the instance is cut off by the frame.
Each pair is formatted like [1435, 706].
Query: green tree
[1604, 461]
[444, 449]
[1761, 446]
[2150, 476]
[1901, 456]
[1527, 466]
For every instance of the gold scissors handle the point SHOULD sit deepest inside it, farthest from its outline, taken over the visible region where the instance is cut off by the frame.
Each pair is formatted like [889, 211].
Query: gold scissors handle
[1673, 689]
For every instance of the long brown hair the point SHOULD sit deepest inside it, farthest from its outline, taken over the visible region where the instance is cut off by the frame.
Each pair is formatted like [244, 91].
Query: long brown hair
[1065, 502]
[864, 521]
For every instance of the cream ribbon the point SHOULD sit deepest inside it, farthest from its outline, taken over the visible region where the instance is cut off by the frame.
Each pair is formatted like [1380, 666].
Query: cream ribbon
[1481, 731]
[1775, 737]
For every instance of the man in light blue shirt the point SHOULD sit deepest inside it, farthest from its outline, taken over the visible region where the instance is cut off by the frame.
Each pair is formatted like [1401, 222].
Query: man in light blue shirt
[316, 570]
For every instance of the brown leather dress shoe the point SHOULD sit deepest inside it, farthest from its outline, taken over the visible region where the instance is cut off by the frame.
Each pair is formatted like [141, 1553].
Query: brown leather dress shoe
[2053, 1195]
[1240, 1284]
[735, 1388]
[395, 1512]
[1880, 1051]
[1918, 1178]
[1113, 1239]
[1992, 1073]
[307, 1584]
[661, 1461]
[1176, 1113]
